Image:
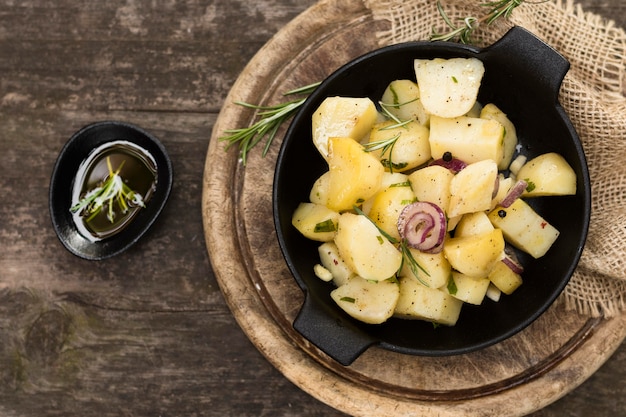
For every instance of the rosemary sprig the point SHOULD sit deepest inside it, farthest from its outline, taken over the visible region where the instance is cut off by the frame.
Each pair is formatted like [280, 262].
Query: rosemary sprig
[384, 145]
[463, 32]
[387, 145]
[407, 256]
[113, 189]
[270, 120]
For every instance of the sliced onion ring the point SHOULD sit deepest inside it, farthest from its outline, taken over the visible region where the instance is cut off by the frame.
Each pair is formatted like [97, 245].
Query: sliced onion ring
[514, 193]
[496, 188]
[453, 164]
[511, 261]
[423, 226]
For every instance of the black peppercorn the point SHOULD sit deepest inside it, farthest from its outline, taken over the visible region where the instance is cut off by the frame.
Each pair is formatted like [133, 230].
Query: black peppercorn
[447, 156]
[502, 213]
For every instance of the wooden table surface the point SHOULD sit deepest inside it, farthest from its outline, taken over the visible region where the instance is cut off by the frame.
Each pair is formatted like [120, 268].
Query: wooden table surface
[146, 333]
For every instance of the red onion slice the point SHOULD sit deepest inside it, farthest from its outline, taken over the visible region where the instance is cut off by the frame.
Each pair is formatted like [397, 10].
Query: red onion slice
[511, 261]
[514, 193]
[448, 161]
[496, 188]
[423, 225]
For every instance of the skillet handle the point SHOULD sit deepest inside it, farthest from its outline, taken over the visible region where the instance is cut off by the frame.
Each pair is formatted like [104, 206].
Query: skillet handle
[332, 334]
[534, 60]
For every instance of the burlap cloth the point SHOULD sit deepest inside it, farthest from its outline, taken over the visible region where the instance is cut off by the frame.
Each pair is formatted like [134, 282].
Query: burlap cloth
[593, 94]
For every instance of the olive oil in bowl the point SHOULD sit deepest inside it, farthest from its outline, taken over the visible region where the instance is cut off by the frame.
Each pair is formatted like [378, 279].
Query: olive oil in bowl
[111, 186]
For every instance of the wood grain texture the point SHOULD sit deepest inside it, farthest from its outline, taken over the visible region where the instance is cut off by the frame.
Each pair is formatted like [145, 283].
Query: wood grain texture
[148, 332]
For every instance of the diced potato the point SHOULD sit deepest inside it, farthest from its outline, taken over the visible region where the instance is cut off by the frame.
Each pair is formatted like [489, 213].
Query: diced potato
[393, 179]
[493, 293]
[548, 174]
[448, 87]
[402, 99]
[319, 191]
[472, 188]
[354, 175]
[517, 164]
[410, 150]
[468, 289]
[492, 112]
[504, 278]
[453, 222]
[436, 265]
[472, 224]
[524, 228]
[468, 139]
[388, 204]
[390, 179]
[322, 273]
[432, 184]
[342, 117]
[419, 302]
[368, 301]
[475, 255]
[475, 110]
[333, 262]
[315, 221]
[365, 250]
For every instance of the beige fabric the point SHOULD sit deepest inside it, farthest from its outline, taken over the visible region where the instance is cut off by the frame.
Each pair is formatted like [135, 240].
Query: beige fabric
[593, 94]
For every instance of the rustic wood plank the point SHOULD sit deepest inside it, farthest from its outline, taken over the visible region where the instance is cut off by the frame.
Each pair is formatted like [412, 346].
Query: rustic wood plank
[148, 332]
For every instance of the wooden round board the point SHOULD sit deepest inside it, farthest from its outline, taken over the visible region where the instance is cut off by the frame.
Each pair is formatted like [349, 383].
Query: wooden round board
[520, 375]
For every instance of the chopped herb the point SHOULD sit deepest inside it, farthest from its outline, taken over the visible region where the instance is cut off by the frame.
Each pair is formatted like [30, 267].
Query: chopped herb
[396, 100]
[348, 299]
[451, 286]
[380, 239]
[455, 80]
[401, 184]
[325, 227]
[530, 185]
[391, 165]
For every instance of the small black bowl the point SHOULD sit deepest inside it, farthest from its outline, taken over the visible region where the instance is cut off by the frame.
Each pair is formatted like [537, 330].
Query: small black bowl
[77, 150]
[523, 76]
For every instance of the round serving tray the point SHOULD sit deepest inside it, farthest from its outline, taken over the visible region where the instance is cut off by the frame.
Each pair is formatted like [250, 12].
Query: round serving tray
[520, 375]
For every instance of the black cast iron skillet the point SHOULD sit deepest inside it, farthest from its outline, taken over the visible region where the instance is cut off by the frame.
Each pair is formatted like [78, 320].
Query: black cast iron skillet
[523, 76]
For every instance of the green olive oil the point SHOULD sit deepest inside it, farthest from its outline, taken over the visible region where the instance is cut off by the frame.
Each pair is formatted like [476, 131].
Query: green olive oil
[136, 181]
